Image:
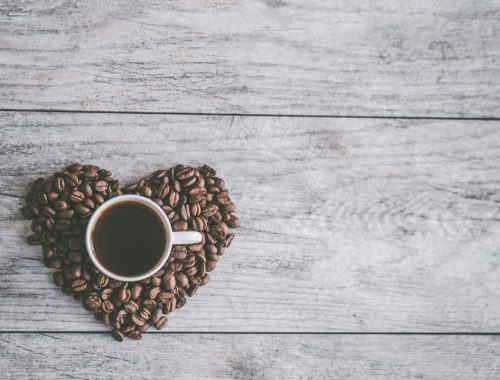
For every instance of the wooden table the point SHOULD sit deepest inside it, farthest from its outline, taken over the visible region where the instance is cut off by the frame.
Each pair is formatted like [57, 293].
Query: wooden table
[360, 141]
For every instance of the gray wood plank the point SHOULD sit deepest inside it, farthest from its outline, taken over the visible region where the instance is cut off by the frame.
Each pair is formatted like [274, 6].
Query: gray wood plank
[348, 224]
[347, 57]
[215, 356]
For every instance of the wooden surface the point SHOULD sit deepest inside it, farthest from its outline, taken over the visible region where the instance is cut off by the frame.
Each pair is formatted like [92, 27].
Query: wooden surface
[387, 57]
[220, 356]
[370, 246]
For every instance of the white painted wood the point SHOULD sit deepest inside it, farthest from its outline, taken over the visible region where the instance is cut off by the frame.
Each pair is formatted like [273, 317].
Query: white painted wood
[216, 356]
[348, 57]
[348, 224]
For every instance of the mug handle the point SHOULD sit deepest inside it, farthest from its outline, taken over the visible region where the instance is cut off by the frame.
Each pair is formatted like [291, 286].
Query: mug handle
[186, 237]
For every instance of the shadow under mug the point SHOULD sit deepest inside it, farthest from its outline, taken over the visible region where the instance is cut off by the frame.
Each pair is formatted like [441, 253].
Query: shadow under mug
[172, 237]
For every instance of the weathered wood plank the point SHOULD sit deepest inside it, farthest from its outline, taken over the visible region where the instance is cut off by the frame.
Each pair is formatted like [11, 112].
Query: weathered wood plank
[321, 57]
[348, 224]
[215, 356]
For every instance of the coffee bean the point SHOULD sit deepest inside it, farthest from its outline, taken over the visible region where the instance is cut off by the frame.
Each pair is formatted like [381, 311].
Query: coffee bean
[72, 180]
[99, 199]
[134, 334]
[164, 297]
[82, 210]
[173, 199]
[130, 307]
[223, 198]
[143, 328]
[34, 239]
[77, 197]
[58, 279]
[100, 281]
[92, 302]
[27, 212]
[210, 265]
[149, 304]
[210, 210]
[146, 191]
[118, 335]
[135, 291]
[89, 203]
[86, 189]
[137, 320]
[192, 289]
[180, 225]
[153, 292]
[106, 293]
[123, 295]
[62, 224]
[107, 307]
[59, 184]
[181, 301]
[60, 205]
[75, 256]
[168, 281]
[79, 285]
[181, 279]
[66, 214]
[113, 284]
[101, 186]
[161, 323]
[199, 223]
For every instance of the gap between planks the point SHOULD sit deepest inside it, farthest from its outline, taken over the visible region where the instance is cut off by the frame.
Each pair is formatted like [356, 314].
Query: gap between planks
[402, 117]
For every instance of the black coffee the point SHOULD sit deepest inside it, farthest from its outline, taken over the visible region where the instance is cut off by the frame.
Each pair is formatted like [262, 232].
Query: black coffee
[129, 239]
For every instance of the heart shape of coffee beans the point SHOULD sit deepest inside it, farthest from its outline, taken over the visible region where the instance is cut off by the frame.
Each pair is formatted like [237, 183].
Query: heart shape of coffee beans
[192, 198]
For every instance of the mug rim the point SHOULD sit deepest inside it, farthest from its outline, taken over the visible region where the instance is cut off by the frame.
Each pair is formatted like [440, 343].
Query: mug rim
[116, 200]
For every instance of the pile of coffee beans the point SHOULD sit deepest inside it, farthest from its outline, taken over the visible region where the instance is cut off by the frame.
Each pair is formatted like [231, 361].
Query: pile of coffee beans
[192, 198]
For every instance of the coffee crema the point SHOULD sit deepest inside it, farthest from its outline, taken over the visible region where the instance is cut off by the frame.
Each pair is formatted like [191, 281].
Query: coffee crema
[129, 239]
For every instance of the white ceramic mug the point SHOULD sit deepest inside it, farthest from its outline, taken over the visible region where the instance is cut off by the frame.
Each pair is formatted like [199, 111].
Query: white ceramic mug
[177, 237]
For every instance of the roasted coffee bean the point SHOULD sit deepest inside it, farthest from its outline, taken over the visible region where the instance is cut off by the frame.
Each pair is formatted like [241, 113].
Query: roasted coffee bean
[180, 225]
[106, 319]
[101, 186]
[92, 302]
[192, 289]
[123, 295]
[134, 334]
[82, 210]
[113, 284]
[107, 307]
[153, 292]
[60, 205]
[34, 239]
[74, 168]
[143, 328]
[181, 279]
[164, 297]
[146, 191]
[59, 184]
[66, 214]
[181, 301]
[128, 328]
[162, 191]
[130, 307]
[155, 282]
[149, 304]
[173, 199]
[58, 279]
[27, 212]
[86, 189]
[135, 291]
[220, 230]
[62, 224]
[75, 256]
[168, 281]
[223, 198]
[106, 293]
[199, 223]
[72, 180]
[161, 323]
[137, 320]
[79, 285]
[118, 335]
[89, 203]
[76, 270]
[210, 265]
[209, 210]
[184, 213]
[100, 281]
[99, 199]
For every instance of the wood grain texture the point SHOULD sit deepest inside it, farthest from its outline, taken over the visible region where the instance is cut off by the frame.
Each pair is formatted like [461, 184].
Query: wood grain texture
[215, 356]
[347, 57]
[348, 224]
